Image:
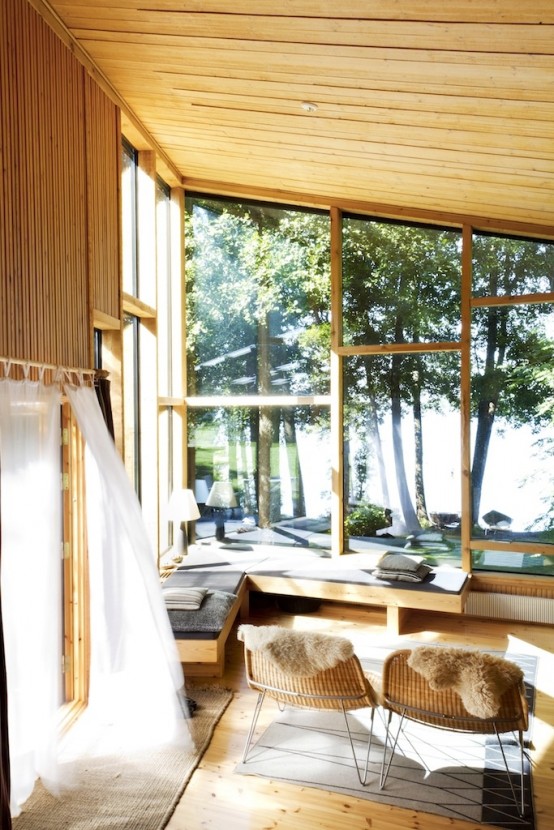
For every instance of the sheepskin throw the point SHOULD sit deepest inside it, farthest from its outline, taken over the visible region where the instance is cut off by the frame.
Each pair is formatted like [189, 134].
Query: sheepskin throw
[296, 653]
[479, 678]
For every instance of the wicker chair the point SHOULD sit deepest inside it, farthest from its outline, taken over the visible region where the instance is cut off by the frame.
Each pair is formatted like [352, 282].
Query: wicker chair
[407, 693]
[341, 688]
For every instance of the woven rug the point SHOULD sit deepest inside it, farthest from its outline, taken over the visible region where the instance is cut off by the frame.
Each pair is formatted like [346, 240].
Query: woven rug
[137, 792]
[435, 771]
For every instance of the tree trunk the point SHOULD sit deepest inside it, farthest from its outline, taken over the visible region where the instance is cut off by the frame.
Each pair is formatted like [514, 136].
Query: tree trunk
[408, 513]
[292, 450]
[421, 503]
[375, 438]
[491, 388]
[265, 436]
[485, 421]
[265, 432]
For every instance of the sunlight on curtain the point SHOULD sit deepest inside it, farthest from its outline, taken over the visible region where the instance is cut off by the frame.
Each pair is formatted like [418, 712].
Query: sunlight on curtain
[135, 673]
[31, 580]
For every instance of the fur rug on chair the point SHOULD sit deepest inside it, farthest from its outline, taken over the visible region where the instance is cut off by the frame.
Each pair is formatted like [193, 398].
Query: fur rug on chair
[299, 653]
[479, 678]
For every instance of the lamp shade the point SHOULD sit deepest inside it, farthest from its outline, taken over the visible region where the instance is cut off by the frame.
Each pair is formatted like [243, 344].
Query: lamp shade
[182, 506]
[221, 495]
[200, 490]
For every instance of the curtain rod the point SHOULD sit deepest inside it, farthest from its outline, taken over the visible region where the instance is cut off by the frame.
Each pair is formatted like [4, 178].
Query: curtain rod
[67, 373]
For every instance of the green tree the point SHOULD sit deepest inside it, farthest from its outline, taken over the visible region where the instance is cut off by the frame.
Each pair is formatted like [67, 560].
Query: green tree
[258, 317]
[258, 300]
[511, 348]
[401, 285]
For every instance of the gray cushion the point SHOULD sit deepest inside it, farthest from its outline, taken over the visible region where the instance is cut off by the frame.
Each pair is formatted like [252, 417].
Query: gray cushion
[401, 567]
[211, 615]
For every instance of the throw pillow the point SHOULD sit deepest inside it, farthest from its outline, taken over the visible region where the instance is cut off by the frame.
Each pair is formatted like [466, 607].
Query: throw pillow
[185, 599]
[402, 568]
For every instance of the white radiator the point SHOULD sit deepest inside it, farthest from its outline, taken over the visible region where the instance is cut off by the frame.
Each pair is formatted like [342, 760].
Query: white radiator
[509, 607]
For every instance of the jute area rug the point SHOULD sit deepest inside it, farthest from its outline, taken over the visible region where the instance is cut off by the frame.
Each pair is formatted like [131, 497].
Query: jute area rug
[138, 792]
[435, 771]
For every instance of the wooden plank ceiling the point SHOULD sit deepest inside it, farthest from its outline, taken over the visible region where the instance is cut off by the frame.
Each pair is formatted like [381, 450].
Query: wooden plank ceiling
[443, 105]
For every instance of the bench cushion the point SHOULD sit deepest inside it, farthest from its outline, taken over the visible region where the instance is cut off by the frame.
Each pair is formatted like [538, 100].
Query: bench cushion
[209, 618]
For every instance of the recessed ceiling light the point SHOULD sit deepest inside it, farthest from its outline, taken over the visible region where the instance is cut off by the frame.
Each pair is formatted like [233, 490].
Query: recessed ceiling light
[308, 106]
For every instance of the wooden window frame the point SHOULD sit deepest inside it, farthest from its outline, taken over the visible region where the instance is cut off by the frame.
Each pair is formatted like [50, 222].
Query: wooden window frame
[76, 613]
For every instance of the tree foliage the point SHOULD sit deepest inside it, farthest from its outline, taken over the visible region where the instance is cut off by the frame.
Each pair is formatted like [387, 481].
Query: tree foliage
[258, 299]
[512, 344]
[258, 322]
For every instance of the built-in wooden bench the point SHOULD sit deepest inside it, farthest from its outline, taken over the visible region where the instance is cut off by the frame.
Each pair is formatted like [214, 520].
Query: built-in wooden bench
[445, 589]
[202, 652]
[202, 648]
[348, 578]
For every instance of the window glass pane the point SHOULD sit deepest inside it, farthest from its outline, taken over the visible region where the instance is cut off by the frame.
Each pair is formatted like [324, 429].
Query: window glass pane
[503, 266]
[401, 283]
[129, 219]
[165, 475]
[513, 562]
[131, 409]
[258, 299]
[402, 455]
[512, 417]
[277, 462]
[163, 261]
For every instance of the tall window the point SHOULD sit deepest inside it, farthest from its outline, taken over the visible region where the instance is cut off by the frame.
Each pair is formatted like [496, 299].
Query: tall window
[401, 378]
[440, 426]
[129, 238]
[258, 304]
[169, 323]
[131, 335]
[131, 399]
[512, 355]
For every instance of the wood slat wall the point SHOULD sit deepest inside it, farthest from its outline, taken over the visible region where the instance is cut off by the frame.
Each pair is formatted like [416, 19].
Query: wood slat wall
[58, 239]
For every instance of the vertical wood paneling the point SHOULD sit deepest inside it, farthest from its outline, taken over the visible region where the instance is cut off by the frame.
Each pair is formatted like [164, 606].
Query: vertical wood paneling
[58, 239]
[9, 170]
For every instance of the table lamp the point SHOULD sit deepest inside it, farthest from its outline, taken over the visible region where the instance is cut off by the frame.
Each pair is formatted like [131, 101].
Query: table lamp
[182, 508]
[221, 498]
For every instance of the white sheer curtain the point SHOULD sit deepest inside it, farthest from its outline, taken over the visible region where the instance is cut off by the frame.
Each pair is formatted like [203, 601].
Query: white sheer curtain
[31, 580]
[136, 678]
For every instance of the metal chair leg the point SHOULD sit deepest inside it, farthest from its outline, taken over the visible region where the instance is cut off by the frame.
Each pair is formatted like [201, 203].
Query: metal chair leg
[520, 804]
[259, 702]
[362, 780]
[385, 771]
